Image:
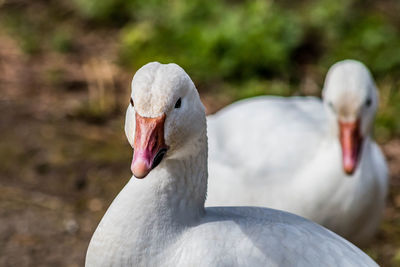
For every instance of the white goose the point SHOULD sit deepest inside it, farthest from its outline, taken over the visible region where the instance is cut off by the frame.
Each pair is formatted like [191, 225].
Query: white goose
[298, 154]
[160, 220]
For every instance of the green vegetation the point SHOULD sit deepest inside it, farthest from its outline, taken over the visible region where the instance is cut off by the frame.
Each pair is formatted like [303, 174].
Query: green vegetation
[250, 48]
[240, 40]
[388, 121]
[216, 41]
[241, 48]
[61, 41]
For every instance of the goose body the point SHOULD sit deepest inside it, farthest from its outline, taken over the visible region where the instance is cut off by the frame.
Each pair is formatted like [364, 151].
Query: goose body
[291, 159]
[160, 219]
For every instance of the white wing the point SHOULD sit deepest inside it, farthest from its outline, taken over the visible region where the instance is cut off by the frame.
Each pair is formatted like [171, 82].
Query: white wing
[264, 237]
[255, 134]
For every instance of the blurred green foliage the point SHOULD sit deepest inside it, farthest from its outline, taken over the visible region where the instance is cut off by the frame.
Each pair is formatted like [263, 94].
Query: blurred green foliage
[214, 40]
[246, 48]
[23, 30]
[38, 31]
[243, 40]
[237, 47]
[388, 120]
[62, 41]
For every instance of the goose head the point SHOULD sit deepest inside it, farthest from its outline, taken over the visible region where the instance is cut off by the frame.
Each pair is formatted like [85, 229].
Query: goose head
[350, 96]
[164, 115]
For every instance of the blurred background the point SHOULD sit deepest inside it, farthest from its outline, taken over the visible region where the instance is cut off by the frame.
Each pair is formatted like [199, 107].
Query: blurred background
[65, 73]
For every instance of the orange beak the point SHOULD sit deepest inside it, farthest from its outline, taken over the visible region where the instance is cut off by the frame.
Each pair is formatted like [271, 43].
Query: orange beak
[149, 147]
[350, 140]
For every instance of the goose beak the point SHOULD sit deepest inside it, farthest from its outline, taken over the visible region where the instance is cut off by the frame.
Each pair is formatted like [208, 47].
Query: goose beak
[350, 140]
[149, 146]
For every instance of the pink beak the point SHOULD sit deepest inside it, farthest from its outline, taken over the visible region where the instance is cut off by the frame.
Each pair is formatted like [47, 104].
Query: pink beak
[149, 147]
[350, 140]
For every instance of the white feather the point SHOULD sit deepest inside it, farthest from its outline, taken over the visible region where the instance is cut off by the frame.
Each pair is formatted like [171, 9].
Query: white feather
[161, 220]
[285, 153]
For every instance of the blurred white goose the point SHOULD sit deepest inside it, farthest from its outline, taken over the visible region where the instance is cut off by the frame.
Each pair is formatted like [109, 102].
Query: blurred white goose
[316, 159]
[161, 220]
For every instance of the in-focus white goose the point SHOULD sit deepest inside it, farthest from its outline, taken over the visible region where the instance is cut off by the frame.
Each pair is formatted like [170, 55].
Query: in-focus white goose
[298, 154]
[160, 219]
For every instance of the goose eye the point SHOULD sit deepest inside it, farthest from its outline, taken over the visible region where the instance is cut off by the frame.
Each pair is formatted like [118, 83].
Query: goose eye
[131, 101]
[331, 106]
[178, 103]
[368, 102]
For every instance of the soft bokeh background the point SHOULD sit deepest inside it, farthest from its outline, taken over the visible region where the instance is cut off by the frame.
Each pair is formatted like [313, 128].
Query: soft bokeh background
[65, 72]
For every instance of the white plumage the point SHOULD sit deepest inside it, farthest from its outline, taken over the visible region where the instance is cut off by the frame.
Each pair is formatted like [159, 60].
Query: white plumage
[286, 153]
[160, 220]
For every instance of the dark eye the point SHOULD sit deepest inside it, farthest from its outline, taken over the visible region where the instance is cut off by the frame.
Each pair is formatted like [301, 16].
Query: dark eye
[368, 102]
[178, 103]
[331, 106]
[131, 101]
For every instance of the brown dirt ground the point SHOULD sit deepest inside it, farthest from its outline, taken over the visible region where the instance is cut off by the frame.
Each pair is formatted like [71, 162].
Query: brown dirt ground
[62, 162]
